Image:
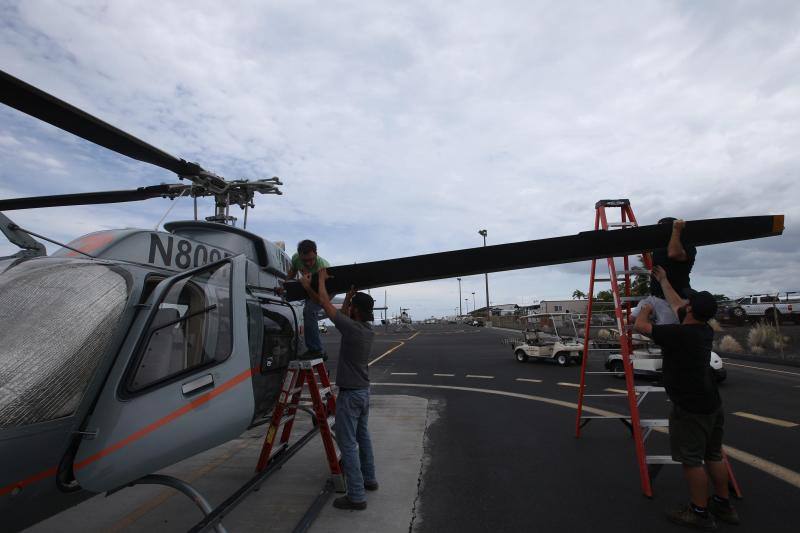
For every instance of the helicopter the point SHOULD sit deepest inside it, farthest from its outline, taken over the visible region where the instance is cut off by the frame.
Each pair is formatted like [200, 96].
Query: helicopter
[128, 350]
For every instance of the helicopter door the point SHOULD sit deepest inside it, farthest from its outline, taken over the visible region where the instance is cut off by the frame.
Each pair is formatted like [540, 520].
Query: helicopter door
[181, 384]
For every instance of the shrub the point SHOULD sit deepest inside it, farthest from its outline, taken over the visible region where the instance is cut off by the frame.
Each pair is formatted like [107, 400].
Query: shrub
[729, 344]
[764, 336]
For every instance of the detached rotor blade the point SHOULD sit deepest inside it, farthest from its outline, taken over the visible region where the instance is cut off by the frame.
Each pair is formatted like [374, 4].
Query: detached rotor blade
[103, 197]
[581, 247]
[37, 103]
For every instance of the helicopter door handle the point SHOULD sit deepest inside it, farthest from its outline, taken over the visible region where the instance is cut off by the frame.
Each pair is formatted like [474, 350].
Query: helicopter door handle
[196, 385]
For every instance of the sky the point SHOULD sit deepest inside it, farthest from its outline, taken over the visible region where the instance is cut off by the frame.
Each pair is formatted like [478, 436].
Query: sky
[402, 128]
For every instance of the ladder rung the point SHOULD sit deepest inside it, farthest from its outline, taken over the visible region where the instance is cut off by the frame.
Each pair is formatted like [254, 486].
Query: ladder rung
[654, 423]
[615, 395]
[660, 460]
[600, 417]
[648, 388]
[325, 391]
[615, 373]
[621, 224]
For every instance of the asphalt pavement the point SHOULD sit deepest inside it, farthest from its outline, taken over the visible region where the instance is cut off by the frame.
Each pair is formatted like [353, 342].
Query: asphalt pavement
[501, 452]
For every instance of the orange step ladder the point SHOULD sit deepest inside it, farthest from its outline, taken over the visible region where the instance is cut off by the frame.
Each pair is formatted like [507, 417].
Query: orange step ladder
[648, 465]
[313, 375]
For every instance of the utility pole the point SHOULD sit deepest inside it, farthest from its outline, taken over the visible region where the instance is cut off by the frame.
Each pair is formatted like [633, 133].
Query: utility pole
[460, 312]
[483, 233]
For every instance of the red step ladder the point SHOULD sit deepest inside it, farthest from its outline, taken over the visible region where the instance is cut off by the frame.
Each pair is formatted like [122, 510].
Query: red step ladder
[648, 465]
[314, 375]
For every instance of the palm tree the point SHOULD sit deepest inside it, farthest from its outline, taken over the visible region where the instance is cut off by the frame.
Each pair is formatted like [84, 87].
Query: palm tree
[578, 294]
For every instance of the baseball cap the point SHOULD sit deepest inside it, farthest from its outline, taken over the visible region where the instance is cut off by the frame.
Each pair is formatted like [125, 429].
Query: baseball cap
[364, 303]
[704, 306]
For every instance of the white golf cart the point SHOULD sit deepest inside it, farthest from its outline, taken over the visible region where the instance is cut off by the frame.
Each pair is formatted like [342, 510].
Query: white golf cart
[549, 336]
[647, 361]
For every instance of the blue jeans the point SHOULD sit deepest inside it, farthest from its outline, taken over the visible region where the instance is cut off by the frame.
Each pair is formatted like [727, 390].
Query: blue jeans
[352, 435]
[310, 326]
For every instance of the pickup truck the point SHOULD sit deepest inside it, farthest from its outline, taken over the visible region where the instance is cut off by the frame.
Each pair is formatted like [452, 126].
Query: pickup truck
[767, 306]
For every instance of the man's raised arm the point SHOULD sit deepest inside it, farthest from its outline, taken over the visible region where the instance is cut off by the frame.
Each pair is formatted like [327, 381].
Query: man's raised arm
[672, 297]
[324, 298]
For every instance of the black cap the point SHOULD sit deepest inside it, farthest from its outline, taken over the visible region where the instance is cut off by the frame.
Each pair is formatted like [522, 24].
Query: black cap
[704, 306]
[364, 303]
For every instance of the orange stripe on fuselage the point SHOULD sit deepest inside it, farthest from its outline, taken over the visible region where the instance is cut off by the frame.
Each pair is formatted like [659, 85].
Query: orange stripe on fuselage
[197, 402]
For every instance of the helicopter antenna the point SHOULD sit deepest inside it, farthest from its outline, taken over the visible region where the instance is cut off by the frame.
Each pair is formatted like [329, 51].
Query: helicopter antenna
[172, 204]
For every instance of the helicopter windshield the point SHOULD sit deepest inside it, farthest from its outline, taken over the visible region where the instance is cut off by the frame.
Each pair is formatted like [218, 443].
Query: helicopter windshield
[57, 318]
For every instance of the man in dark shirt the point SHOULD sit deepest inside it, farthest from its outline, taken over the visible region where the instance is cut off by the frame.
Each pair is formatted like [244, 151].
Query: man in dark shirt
[352, 376]
[696, 420]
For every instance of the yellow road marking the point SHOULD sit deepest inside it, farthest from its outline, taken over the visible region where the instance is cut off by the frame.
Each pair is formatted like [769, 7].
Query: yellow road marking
[565, 384]
[762, 368]
[768, 420]
[479, 376]
[780, 472]
[384, 354]
[445, 375]
[621, 391]
[530, 380]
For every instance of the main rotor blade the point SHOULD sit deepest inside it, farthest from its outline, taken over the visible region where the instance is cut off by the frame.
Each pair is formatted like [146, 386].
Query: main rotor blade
[37, 103]
[581, 247]
[102, 197]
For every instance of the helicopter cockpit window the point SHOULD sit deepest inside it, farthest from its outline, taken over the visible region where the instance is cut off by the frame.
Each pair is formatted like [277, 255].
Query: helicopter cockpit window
[278, 341]
[191, 328]
[57, 320]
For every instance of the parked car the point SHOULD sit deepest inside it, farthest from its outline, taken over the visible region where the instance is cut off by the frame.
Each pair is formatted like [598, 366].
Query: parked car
[648, 362]
[770, 307]
[550, 336]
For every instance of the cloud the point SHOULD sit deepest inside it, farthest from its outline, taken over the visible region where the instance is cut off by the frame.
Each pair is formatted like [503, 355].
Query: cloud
[404, 128]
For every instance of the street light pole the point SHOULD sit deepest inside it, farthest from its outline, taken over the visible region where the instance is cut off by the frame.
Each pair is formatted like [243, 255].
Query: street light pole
[483, 233]
[466, 304]
[460, 312]
[474, 307]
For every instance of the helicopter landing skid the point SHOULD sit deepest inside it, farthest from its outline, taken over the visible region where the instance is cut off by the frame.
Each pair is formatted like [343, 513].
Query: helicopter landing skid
[184, 488]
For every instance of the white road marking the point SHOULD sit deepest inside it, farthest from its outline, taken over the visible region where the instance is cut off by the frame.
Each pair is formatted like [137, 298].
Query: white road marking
[780, 472]
[479, 376]
[565, 384]
[404, 373]
[762, 368]
[445, 375]
[768, 420]
[530, 380]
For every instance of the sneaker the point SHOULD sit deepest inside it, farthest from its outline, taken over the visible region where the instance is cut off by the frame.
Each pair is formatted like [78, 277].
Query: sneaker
[726, 513]
[346, 503]
[371, 485]
[685, 516]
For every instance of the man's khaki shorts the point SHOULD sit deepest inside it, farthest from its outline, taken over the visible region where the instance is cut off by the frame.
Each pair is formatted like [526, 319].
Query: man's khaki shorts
[695, 438]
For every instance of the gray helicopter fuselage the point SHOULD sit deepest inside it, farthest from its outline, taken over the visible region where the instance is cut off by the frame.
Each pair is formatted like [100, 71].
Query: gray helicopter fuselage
[163, 345]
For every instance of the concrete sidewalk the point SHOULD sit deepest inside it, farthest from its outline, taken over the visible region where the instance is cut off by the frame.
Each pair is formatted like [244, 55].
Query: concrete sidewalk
[397, 425]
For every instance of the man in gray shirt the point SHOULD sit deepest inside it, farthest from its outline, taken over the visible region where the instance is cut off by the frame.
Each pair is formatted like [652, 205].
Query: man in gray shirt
[352, 376]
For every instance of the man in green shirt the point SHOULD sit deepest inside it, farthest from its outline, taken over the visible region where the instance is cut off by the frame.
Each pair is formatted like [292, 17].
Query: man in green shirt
[306, 261]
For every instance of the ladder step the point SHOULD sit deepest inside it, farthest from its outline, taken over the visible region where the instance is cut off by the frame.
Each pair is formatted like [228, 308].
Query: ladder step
[660, 460]
[600, 417]
[654, 423]
[648, 388]
[621, 224]
[324, 392]
[614, 373]
[615, 395]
